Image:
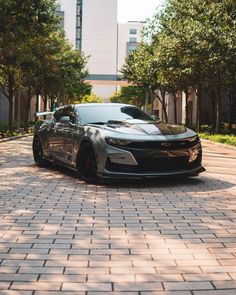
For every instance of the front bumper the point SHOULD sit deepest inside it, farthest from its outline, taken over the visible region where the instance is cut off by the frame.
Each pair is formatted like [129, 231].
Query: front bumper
[153, 163]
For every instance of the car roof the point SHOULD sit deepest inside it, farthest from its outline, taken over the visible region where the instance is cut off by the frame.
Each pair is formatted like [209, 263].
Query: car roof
[101, 104]
[88, 105]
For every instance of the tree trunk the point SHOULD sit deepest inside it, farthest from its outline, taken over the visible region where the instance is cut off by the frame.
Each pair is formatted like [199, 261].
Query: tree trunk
[186, 106]
[10, 113]
[18, 108]
[162, 101]
[218, 105]
[45, 103]
[218, 113]
[146, 101]
[152, 102]
[231, 104]
[175, 107]
[230, 99]
[199, 106]
[27, 109]
[11, 100]
[163, 95]
[213, 105]
[211, 96]
[36, 106]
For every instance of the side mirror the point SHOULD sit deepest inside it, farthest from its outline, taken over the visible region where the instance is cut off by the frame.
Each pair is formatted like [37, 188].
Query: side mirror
[72, 121]
[71, 124]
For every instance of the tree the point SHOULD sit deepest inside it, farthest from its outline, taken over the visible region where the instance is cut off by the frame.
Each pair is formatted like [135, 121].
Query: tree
[21, 21]
[72, 72]
[173, 73]
[181, 60]
[135, 95]
[39, 72]
[56, 71]
[196, 48]
[141, 68]
[35, 57]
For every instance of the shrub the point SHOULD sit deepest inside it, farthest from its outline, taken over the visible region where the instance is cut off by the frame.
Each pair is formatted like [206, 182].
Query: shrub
[3, 126]
[221, 138]
[207, 128]
[91, 98]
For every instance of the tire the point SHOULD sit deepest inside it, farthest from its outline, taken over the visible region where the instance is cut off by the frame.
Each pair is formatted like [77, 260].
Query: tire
[38, 152]
[87, 164]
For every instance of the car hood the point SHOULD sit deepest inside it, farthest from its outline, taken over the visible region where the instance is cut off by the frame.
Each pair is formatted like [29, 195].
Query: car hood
[139, 127]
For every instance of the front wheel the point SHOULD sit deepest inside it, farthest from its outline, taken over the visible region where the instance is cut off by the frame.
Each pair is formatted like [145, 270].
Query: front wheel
[87, 164]
[38, 152]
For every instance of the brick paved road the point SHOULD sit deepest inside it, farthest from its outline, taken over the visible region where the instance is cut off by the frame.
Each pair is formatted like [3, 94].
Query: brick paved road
[61, 236]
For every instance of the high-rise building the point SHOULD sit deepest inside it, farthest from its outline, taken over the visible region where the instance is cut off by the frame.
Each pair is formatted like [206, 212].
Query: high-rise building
[129, 36]
[91, 26]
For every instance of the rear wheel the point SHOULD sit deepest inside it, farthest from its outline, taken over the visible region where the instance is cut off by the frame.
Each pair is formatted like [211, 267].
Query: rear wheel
[87, 164]
[38, 152]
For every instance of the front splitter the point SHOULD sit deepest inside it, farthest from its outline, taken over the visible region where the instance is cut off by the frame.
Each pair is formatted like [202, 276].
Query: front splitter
[123, 175]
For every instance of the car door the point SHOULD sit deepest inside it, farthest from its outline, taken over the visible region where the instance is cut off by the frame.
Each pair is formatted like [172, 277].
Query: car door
[56, 141]
[72, 133]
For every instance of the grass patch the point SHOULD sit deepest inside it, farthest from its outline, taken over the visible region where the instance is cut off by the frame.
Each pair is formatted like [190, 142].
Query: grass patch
[221, 138]
[6, 134]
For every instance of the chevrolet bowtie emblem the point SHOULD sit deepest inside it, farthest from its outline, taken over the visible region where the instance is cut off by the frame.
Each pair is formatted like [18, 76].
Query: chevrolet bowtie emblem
[166, 144]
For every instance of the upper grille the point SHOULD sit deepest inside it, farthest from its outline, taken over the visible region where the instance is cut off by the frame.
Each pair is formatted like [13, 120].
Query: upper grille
[164, 145]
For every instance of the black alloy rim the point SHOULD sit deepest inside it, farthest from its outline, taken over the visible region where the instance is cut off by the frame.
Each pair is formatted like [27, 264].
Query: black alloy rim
[38, 152]
[88, 165]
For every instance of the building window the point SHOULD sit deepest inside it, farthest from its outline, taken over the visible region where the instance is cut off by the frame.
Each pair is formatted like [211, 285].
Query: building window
[133, 40]
[131, 47]
[78, 43]
[78, 33]
[78, 19]
[133, 31]
[79, 24]
[61, 15]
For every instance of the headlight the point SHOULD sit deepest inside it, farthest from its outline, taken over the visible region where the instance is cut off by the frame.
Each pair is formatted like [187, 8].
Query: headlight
[194, 138]
[117, 142]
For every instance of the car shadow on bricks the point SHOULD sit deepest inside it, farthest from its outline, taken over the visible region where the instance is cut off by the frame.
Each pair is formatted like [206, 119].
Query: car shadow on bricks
[54, 172]
[200, 183]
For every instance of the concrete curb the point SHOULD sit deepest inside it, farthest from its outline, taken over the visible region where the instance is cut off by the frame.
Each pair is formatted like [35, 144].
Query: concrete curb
[14, 137]
[223, 145]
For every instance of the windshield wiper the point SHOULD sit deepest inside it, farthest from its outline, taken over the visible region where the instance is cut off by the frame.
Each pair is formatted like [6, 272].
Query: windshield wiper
[96, 123]
[115, 122]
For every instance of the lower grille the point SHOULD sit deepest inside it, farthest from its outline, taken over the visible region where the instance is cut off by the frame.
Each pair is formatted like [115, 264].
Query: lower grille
[160, 164]
[167, 164]
[114, 167]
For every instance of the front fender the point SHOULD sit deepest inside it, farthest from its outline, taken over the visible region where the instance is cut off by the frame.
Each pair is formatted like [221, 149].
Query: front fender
[96, 138]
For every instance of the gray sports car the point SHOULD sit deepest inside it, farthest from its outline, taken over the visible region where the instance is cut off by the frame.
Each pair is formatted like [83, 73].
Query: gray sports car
[111, 140]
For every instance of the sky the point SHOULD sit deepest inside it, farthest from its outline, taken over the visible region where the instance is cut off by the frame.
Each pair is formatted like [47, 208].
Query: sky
[137, 10]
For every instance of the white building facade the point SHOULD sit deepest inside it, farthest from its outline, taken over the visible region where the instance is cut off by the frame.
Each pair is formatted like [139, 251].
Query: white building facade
[129, 36]
[91, 26]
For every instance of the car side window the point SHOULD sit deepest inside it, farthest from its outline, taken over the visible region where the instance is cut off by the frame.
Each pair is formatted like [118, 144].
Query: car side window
[64, 119]
[65, 115]
[58, 114]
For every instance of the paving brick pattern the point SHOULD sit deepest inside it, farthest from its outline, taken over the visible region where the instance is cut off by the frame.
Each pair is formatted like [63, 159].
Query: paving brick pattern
[59, 235]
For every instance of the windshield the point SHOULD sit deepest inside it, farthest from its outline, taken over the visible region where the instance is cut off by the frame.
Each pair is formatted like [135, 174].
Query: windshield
[103, 114]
